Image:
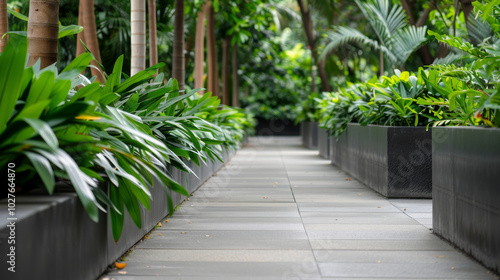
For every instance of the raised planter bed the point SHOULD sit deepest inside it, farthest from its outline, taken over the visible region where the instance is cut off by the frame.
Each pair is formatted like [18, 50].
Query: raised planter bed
[466, 189]
[276, 127]
[55, 238]
[324, 143]
[394, 161]
[309, 131]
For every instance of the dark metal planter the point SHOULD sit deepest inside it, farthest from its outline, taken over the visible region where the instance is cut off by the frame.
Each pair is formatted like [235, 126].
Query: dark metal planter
[55, 238]
[394, 161]
[276, 127]
[309, 131]
[466, 190]
[324, 143]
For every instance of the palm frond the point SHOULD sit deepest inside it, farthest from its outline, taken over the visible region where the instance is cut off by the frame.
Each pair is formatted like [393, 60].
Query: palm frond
[344, 35]
[385, 21]
[478, 30]
[407, 41]
[282, 13]
[451, 58]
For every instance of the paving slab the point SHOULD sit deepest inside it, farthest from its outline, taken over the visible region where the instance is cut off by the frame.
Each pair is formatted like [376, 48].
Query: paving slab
[279, 211]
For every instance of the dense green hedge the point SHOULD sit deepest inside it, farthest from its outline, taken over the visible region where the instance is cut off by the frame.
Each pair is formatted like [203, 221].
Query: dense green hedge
[464, 92]
[108, 140]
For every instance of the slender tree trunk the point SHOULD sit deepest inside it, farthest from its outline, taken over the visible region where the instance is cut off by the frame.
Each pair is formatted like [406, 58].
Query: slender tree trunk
[4, 24]
[43, 31]
[178, 70]
[200, 47]
[466, 8]
[153, 46]
[311, 40]
[80, 36]
[423, 52]
[138, 36]
[409, 11]
[213, 73]
[236, 85]
[225, 70]
[91, 36]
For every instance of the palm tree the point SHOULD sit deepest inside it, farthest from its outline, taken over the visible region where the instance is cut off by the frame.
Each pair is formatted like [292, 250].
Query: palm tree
[395, 39]
[200, 46]
[225, 69]
[236, 86]
[80, 36]
[153, 47]
[178, 68]
[312, 42]
[138, 36]
[4, 24]
[212, 72]
[90, 35]
[43, 32]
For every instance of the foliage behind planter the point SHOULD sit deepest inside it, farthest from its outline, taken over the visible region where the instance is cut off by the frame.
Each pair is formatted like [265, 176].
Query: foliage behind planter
[121, 135]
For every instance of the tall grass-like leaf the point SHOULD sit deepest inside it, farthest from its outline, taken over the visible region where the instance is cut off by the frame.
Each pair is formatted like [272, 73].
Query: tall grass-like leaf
[12, 63]
[45, 131]
[117, 216]
[81, 182]
[44, 170]
[75, 67]
[130, 202]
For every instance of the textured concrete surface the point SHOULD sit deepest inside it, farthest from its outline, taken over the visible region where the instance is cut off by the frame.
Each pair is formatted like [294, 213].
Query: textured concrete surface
[278, 211]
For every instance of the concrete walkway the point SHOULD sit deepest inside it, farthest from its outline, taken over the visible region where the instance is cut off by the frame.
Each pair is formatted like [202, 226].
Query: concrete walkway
[278, 211]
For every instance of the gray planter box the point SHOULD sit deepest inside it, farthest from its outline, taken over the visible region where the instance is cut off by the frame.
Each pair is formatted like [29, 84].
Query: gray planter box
[55, 238]
[309, 132]
[394, 161]
[466, 189]
[324, 143]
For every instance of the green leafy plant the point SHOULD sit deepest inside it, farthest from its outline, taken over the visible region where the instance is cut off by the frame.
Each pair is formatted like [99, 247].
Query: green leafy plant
[111, 142]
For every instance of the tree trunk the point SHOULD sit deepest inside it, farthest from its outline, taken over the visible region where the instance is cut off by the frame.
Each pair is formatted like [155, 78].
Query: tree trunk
[138, 36]
[225, 70]
[236, 85]
[466, 8]
[80, 36]
[91, 36]
[311, 39]
[200, 47]
[43, 31]
[409, 11]
[153, 46]
[423, 52]
[4, 24]
[213, 73]
[178, 70]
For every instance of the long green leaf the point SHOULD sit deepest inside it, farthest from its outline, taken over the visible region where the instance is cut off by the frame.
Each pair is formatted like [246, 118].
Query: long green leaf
[44, 170]
[118, 216]
[12, 63]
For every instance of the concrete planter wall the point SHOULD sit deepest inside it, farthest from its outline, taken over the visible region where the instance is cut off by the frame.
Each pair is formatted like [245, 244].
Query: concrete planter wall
[309, 133]
[55, 238]
[466, 189]
[394, 161]
[324, 143]
[276, 127]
